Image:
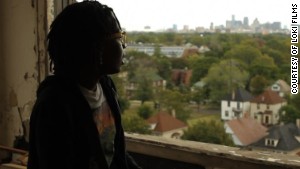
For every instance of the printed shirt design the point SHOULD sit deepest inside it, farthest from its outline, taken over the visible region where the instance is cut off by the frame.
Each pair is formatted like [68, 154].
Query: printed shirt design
[106, 128]
[103, 119]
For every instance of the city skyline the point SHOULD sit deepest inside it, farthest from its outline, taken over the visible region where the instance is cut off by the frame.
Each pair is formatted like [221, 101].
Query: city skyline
[161, 15]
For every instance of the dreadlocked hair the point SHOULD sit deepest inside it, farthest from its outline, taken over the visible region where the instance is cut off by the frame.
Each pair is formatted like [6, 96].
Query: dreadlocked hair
[78, 32]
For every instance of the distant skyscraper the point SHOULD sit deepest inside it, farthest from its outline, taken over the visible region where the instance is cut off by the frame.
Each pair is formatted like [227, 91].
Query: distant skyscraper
[186, 28]
[147, 27]
[174, 27]
[211, 26]
[255, 25]
[246, 22]
[276, 25]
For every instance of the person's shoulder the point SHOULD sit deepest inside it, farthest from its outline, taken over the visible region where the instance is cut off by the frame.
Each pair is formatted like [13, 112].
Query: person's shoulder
[54, 87]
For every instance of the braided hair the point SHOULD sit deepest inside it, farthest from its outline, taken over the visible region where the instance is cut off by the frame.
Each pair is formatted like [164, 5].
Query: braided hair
[78, 32]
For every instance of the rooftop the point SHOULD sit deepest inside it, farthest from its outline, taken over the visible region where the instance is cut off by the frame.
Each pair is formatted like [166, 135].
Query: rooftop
[247, 130]
[268, 97]
[239, 95]
[165, 122]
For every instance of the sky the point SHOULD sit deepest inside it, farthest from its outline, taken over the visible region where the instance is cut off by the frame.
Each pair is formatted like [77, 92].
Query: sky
[134, 15]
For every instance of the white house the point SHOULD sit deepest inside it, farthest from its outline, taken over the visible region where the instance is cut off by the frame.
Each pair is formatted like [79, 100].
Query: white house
[265, 107]
[235, 104]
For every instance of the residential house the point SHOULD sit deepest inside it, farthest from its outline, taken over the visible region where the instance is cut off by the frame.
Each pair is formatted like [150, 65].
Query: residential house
[282, 138]
[245, 131]
[236, 104]
[181, 76]
[189, 51]
[157, 83]
[166, 125]
[265, 107]
[204, 49]
[281, 87]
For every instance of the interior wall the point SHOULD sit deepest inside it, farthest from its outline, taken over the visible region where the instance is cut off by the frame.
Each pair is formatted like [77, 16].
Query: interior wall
[24, 61]
[20, 50]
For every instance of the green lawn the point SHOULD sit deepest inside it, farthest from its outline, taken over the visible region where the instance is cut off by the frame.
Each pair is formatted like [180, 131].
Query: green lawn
[194, 118]
[204, 117]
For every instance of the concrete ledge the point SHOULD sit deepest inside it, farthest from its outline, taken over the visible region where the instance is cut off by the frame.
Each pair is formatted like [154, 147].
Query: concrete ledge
[209, 155]
[12, 166]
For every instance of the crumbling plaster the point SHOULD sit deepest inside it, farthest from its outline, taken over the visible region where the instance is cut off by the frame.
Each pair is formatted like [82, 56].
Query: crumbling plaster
[22, 56]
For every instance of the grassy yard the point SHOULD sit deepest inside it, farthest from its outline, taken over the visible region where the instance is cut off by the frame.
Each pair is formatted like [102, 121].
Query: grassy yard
[204, 117]
[194, 118]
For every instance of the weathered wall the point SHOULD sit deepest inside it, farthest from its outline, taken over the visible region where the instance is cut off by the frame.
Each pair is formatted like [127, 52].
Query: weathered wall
[22, 47]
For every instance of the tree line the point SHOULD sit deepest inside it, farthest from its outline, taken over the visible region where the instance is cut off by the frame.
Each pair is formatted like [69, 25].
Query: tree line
[249, 61]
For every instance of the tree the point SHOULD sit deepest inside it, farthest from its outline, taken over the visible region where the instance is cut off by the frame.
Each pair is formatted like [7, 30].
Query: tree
[258, 84]
[224, 77]
[163, 66]
[276, 55]
[144, 80]
[135, 60]
[171, 100]
[200, 67]
[135, 124]
[145, 111]
[244, 53]
[120, 86]
[265, 66]
[208, 132]
[289, 114]
[200, 95]
[179, 63]
[144, 90]
[141, 70]
[295, 101]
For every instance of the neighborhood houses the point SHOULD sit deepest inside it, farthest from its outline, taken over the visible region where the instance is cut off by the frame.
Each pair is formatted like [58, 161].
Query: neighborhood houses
[218, 81]
[254, 121]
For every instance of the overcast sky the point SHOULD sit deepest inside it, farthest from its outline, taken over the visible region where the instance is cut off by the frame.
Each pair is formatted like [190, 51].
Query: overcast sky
[162, 14]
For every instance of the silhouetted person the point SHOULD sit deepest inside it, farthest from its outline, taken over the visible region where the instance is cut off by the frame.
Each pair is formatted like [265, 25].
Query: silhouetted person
[76, 121]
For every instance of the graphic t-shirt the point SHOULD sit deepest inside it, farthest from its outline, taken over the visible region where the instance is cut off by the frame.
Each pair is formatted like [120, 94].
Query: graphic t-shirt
[103, 119]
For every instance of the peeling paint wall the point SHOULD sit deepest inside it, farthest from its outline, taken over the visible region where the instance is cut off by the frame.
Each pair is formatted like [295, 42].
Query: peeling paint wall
[23, 62]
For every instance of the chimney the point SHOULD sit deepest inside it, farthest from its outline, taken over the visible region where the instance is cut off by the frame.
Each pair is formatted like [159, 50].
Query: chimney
[233, 95]
[298, 123]
[174, 113]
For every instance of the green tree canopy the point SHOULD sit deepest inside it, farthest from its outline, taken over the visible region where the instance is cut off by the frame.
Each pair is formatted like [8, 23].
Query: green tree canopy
[295, 101]
[265, 66]
[144, 77]
[135, 124]
[289, 114]
[244, 53]
[174, 100]
[200, 67]
[258, 84]
[120, 86]
[145, 111]
[224, 77]
[208, 132]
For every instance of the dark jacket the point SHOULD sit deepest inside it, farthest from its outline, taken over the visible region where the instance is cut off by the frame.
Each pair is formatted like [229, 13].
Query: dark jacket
[63, 134]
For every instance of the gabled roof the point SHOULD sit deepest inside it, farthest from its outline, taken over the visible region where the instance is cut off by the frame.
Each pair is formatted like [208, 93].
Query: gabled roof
[239, 95]
[284, 134]
[284, 87]
[165, 122]
[247, 130]
[268, 97]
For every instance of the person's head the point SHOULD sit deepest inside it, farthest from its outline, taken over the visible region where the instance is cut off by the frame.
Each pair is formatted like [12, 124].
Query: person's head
[86, 38]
